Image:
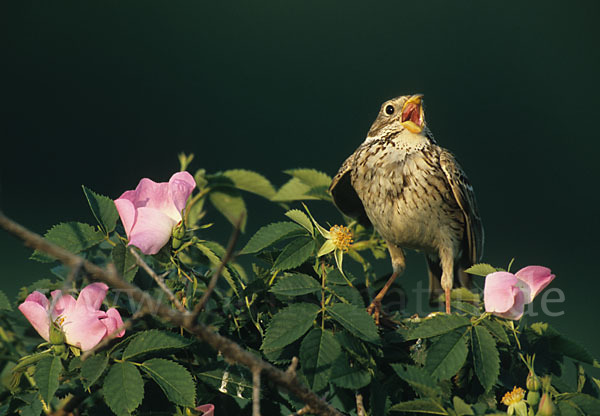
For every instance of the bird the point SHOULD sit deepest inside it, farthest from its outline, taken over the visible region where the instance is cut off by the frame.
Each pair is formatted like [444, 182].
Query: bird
[416, 196]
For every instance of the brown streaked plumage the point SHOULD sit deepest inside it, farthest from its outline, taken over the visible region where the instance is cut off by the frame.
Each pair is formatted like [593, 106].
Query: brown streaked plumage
[416, 196]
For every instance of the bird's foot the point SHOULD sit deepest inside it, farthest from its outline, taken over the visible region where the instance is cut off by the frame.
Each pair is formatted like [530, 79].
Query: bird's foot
[374, 309]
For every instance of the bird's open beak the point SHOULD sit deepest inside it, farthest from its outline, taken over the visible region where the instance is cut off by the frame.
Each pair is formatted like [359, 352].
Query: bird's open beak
[412, 114]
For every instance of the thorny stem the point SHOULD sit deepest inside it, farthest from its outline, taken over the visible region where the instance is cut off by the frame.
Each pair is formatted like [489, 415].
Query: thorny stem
[230, 350]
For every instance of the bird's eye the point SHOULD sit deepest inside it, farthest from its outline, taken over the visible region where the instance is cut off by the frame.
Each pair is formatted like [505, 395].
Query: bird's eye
[389, 110]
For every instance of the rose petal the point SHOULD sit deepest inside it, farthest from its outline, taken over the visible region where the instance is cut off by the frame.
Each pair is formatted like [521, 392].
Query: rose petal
[152, 230]
[63, 303]
[534, 279]
[112, 322]
[516, 311]
[500, 291]
[35, 308]
[83, 330]
[208, 409]
[181, 186]
[150, 194]
[91, 296]
[126, 211]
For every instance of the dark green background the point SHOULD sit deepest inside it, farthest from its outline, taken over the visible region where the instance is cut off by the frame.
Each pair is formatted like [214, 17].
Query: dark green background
[104, 94]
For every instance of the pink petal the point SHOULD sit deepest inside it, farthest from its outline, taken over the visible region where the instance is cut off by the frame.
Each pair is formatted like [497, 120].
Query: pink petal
[535, 279]
[126, 211]
[516, 311]
[36, 311]
[208, 409]
[151, 231]
[83, 330]
[150, 194]
[500, 291]
[91, 296]
[181, 186]
[112, 322]
[63, 303]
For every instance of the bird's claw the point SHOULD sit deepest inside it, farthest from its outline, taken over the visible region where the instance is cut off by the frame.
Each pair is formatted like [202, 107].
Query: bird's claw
[375, 310]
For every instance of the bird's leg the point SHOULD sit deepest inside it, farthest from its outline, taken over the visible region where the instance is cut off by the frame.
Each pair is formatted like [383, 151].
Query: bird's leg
[447, 263]
[398, 263]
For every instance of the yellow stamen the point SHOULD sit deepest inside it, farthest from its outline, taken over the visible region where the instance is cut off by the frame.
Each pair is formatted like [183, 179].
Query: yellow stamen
[341, 237]
[59, 320]
[514, 396]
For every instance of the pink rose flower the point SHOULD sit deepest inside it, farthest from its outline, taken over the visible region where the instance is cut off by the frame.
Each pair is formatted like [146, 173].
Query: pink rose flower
[207, 409]
[82, 322]
[151, 211]
[506, 294]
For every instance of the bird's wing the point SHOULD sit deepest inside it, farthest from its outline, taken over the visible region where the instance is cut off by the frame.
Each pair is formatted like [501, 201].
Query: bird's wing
[464, 195]
[344, 195]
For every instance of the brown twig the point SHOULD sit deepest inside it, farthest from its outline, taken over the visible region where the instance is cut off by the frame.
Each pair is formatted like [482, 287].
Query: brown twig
[360, 408]
[213, 280]
[159, 280]
[256, 392]
[228, 348]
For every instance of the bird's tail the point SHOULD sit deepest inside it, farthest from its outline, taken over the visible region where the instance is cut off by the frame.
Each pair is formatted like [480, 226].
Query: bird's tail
[461, 278]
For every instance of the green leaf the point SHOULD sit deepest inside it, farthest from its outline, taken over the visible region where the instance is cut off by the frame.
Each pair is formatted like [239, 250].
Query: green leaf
[349, 375]
[270, 234]
[310, 177]
[573, 350]
[124, 262]
[437, 325]
[215, 261]
[103, 208]
[496, 329]
[481, 269]
[301, 219]
[72, 236]
[447, 355]
[250, 181]
[153, 340]
[47, 372]
[295, 253]
[4, 302]
[123, 388]
[428, 406]
[289, 324]
[318, 350]
[349, 294]
[293, 190]
[228, 381]
[579, 404]
[92, 369]
[174, 379]
[356, 320]
[485, 357]
[461, 407]
[230, 203]
[296, 285]
[420, 380]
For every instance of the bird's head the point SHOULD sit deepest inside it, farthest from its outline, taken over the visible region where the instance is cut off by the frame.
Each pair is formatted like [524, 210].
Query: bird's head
[399, 114]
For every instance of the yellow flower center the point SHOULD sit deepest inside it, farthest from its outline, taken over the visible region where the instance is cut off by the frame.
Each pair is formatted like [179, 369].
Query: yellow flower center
[514, 396]
[59, 320]
[341, 237]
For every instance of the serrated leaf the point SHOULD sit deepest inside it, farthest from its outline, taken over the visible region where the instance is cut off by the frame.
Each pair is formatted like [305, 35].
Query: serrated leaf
[579, 404]
[72, 236]
[295, 253]
[124, 262]
[427, 406]
[103, 208]
[228, 381]
[215, 261]
[349, 375]
[153, 340]
[230, 203]
[573, 350]
[485, 357]
[47, 372]
[92, 369]
[123, 388]
[174, 380]
[349, 294]
[250, 181]
[437, 325]
[447, 355]
[289, 324]
[4, 302]
[481, 269]
[310, 177]
[296, 285]
[293, 190]
[270, 234]
[420, 380]
[496, 329]
[356, 320]
[461, 407]
[318, 350]
[301, 219]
